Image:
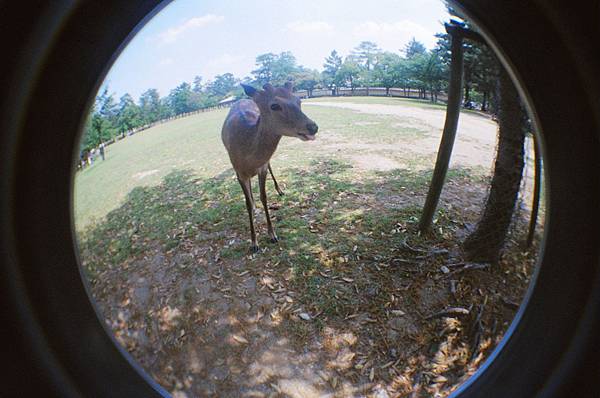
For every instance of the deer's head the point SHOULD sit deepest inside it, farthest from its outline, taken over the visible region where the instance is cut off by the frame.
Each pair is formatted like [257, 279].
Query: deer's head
[280, 111]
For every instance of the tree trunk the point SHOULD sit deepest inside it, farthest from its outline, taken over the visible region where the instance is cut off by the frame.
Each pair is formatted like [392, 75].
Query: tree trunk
[484, 101]
[387, 91]
[486, 242]
[467, 97]
[448, 134]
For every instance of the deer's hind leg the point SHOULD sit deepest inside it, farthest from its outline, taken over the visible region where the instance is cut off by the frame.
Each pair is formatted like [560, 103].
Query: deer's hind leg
[247, 188]
[279, 191]
[262, 180]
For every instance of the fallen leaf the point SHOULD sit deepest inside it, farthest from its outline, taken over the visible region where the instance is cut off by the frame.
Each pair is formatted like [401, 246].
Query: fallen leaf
[440, 379]
[240, 339]
[304, 316]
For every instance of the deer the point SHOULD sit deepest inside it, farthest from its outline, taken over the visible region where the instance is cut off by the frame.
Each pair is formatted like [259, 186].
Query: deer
[251, 133]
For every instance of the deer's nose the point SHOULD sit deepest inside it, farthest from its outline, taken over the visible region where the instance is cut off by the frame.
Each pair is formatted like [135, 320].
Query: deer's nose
[312, 128]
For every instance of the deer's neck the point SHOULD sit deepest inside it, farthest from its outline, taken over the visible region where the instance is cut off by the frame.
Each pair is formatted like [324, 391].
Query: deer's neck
[266, 141]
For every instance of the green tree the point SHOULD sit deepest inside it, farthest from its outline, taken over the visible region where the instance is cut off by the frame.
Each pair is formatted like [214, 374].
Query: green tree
[104, 119]
[222, 86]
[180, 99]
[414, 48]
[264, 73]
[365, 54]
[415, 70]
[275, 69]
[129, 114]
[432, 73]
[198, 86]
[332, 65]
[481, 68]
[306, 79]
[484, 69]
[349, 73]
[386, 71]
[106, 105]
[164, 108]
[150, 106]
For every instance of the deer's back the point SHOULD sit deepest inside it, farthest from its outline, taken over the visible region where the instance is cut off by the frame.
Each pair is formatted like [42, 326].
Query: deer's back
[240, 125]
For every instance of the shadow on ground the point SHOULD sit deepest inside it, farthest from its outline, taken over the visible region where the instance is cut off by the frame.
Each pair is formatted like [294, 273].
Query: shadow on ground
[350, 302]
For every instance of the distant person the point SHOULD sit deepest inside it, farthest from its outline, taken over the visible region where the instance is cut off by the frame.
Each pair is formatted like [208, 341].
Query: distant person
[102, 150]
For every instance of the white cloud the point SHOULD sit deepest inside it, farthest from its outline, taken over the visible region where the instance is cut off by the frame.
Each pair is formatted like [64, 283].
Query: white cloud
[392, 36]
[166, 62]
[309, 27]
[172, 34]
[225, 60]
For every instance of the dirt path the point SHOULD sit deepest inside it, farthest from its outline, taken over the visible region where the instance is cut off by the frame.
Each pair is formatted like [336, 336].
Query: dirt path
[476, 136]
[359, 322]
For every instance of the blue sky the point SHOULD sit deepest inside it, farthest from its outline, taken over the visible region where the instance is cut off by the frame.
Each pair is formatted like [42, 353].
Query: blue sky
[211, 37]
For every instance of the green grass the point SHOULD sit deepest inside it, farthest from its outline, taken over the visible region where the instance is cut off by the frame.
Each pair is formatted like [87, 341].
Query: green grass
[146, 158]
[328, 221]
[173, 183]
[194, 143]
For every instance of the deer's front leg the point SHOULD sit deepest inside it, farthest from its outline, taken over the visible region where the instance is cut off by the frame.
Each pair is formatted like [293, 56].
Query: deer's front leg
[262, 180]
[247, 188]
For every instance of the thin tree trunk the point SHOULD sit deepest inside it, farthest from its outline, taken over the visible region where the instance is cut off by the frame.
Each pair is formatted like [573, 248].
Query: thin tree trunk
[484, 101]
[486, 242]
[467, 97]
[448, 135]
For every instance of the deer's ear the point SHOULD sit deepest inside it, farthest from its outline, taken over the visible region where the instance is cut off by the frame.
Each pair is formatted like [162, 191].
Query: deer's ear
[288, 85]
[268, 88]
[249, 90]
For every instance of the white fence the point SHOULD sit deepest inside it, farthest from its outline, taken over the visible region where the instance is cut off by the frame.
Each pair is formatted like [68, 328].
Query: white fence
[337, 92]
[368, 92]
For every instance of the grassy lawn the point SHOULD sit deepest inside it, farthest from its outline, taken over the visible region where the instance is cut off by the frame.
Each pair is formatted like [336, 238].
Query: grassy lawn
[194, 143]
[164, 241]
[144, 159]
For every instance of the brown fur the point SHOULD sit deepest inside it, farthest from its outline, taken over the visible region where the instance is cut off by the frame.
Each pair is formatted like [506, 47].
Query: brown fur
[251, 133]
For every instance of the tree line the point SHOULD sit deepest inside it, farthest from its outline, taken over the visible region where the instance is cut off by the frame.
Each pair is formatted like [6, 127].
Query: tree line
[413, 67]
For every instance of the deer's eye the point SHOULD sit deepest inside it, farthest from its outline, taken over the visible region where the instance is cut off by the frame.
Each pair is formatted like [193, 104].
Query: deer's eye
[275, 107]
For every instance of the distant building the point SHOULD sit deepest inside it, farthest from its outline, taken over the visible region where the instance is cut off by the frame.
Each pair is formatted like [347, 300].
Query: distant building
[227, 101]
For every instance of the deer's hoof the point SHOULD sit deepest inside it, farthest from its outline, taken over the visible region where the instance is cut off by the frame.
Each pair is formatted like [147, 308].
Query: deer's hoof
[254, 249]
[274, 239]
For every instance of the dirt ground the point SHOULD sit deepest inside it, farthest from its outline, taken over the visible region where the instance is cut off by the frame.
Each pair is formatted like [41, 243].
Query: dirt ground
[413, 320]
[476, 136]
